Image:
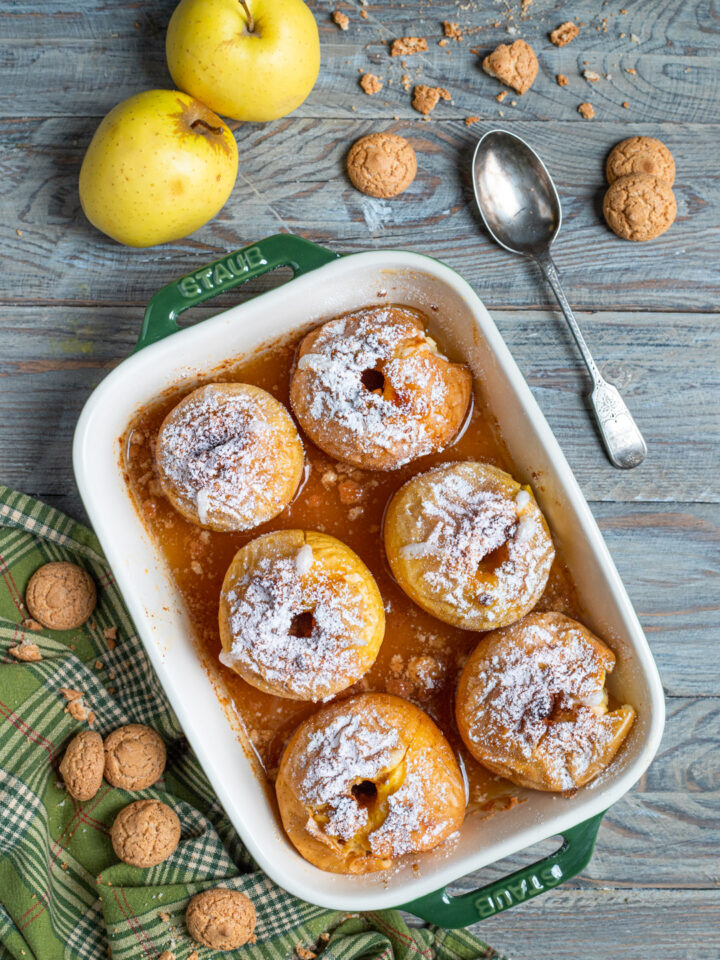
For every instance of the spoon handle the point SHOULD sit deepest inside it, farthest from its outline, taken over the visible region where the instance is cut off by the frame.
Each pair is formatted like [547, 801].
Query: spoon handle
[623, 441]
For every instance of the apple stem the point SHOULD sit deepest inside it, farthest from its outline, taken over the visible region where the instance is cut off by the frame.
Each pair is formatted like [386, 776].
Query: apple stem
[208, 126]
[251, 22]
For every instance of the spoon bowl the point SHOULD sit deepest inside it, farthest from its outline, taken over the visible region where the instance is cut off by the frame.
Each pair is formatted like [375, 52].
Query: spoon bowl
[515, 194]
[521, 210]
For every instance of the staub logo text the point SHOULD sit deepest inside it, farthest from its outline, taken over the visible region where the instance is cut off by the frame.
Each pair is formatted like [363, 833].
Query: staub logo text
[523, 889]
[218, 274]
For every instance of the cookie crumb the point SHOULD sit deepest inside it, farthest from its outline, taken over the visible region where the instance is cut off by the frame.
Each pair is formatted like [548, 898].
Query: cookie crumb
[303, 953]
[27, 652]
[586, 111]
[404, 46]
[501, 96]
[426, 98]
[591, 76]
[564, 34]
[625, 104]
[452, 30]
[516, 65]
[77, 710]
[29, 624]
[406, 82]
[167, 955]
[341, 20]
[71, 694]
[165, 917]
[469, 121]
[370, 83]
[562, 80]
[631, 70]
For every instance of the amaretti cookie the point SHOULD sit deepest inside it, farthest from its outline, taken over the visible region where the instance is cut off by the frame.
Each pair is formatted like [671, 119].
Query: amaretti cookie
[381, 165]
[640, 155]
[639, 207]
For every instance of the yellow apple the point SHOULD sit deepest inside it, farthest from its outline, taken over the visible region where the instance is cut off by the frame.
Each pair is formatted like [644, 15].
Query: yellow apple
[246, 59]
[159, 166]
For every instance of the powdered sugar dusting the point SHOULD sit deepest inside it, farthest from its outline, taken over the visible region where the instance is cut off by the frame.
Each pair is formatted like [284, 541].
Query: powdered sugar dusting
[539, 698]
[356, 747]
[403, 408]
[263, 607]
[407, 817]
[462, 519]
[352, 748]
[220, 454]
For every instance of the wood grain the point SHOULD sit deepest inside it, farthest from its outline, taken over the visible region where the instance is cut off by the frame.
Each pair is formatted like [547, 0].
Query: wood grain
[72, 59]
[668, 553]
[71, 302]
[292, 178]
[602, 924]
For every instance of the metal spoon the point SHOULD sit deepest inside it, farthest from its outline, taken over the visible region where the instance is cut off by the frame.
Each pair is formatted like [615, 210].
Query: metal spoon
[521, 210]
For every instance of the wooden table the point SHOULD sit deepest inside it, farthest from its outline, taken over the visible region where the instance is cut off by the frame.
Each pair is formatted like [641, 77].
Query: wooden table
[71, 302]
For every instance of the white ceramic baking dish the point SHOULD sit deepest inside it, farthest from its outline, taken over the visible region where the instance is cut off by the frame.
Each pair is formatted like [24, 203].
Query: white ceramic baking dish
[325, 285]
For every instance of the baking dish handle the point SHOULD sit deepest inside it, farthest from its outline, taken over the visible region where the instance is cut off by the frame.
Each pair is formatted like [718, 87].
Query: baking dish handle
[452, 912]
[280, 250]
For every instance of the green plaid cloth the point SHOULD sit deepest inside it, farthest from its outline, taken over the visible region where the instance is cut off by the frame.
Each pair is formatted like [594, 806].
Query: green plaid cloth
[62, 892]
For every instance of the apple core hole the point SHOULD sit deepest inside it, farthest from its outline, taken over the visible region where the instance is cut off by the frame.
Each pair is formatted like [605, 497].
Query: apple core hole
[495, 559]
[372, 380]
[364, 792]
[302, 624]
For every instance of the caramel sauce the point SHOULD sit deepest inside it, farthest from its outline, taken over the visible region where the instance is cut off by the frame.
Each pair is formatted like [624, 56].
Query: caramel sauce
[420, 657]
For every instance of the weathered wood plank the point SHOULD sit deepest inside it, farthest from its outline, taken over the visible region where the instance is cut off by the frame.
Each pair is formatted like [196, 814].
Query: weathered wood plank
[292, 177]
[114, 52]
[52, 359]
[597, 925]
